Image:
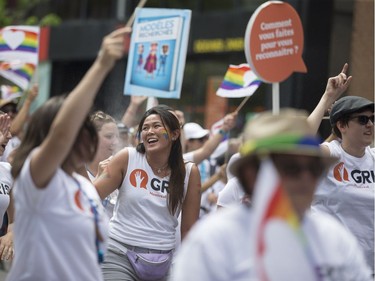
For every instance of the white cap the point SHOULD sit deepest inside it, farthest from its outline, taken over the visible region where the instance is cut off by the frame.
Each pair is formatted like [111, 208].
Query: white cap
[194, 131]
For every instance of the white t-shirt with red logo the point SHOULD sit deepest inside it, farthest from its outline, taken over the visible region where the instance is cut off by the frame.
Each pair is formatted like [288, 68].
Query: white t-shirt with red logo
[141, 216]
[54, 228]
[6, 182]
[347, 193]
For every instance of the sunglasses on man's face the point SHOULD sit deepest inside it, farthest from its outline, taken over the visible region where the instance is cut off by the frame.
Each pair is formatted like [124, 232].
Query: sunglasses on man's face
[363, 119]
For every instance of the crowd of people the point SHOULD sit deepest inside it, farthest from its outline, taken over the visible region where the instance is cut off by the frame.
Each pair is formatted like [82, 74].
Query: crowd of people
[152, 197]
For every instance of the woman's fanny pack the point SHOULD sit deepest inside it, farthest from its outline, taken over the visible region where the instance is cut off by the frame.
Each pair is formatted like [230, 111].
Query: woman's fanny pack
[150, 266]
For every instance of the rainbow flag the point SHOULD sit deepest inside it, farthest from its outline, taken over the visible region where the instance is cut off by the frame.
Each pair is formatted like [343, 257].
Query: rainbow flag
[19, 43]
[19, 53]
[239, 81]
[17, 72]
[10, 92]
[277, 232]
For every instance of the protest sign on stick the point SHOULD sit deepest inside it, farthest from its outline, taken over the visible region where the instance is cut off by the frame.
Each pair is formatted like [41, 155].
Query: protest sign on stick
[157, 53]
[274, 45]
[130, 21]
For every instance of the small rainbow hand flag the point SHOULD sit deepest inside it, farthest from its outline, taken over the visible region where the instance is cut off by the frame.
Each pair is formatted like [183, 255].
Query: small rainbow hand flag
[277, 232]
[10, 92]
[239, 81]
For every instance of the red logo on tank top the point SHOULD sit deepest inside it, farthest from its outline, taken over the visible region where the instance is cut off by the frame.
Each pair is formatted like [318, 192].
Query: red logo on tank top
[80, 202]
[77, 199]
[138, 178]
[340, 173]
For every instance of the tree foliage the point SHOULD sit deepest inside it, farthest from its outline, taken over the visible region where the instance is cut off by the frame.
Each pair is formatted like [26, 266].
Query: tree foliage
[23, 14]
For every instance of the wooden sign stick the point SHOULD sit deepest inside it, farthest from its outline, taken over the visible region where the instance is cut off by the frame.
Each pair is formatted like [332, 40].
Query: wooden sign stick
[131, 19]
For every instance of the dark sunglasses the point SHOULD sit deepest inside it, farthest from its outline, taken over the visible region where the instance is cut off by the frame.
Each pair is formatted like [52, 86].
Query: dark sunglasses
[363, 119]
[294, 169]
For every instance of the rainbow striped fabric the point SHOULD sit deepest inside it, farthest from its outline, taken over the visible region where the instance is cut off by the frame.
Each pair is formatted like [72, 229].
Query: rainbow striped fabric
[10, 92]
[277, 232]
[282, 142]
[19, 53]
[24, 41]
[19, 73]
[239, 81]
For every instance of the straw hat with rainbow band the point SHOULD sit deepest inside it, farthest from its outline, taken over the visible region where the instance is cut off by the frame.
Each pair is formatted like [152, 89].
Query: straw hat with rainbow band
[285, 133]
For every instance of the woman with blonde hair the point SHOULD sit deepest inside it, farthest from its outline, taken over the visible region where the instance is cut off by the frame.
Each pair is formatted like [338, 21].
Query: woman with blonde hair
[108, 134]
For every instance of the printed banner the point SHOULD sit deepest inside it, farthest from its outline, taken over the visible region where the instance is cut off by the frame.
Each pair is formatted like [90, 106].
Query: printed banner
[19, 53]
[157, 53]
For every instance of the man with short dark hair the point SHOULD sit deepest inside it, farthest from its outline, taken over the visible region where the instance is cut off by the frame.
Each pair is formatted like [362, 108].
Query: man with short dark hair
[223, 246]
[347, 192]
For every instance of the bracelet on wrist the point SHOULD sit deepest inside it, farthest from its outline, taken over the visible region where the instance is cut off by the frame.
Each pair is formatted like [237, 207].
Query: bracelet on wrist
[222, 132]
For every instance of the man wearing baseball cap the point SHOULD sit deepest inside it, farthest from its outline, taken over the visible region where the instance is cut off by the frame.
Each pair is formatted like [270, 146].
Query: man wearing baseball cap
[220, 247]
[347, 192]
[194, 131]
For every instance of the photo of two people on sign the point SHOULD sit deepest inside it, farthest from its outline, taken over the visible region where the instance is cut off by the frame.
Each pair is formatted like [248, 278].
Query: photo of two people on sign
[152, 62]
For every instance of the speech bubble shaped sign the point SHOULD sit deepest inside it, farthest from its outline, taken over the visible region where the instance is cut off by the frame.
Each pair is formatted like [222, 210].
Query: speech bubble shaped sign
[274, 42]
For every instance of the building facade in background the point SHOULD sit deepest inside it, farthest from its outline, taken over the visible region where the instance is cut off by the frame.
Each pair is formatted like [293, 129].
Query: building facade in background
[336, 31]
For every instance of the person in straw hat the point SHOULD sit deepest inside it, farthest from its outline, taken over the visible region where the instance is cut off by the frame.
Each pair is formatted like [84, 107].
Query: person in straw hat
[287, 152]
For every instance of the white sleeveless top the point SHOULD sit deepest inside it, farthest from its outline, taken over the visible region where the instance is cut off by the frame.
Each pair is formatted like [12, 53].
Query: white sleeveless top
[141, 216]
[347, 193]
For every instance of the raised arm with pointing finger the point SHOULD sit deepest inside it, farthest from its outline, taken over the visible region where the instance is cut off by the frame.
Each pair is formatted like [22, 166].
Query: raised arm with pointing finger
[336, 86]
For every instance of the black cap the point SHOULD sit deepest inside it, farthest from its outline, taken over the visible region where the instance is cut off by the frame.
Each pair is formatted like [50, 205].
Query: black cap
[348, 105]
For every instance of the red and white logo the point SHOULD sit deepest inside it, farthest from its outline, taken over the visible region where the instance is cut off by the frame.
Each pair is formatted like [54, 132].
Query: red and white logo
[340, 173]
[139, 178]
